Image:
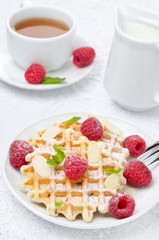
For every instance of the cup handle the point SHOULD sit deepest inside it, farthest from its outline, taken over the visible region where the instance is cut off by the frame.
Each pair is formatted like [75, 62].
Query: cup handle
[25, 3]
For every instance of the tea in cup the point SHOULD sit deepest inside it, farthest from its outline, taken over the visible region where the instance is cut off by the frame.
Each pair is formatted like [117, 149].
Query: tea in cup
[41, 34]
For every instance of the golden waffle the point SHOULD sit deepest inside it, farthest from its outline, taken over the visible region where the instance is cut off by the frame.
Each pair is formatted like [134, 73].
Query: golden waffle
[88, 194]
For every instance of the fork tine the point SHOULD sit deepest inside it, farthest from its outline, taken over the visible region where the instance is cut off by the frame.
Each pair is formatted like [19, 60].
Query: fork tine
[152, 146]
[153, 162]
[152, 158]
[149, 151]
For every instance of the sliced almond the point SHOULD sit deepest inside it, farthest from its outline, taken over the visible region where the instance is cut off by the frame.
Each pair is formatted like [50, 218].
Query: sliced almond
[112, 128]
[40, 131]
[112, 181]
[52, 132]
[126, 152]
[93, 152]
[33, 140]
[29, 157]
[41, 167]
[129, 190]
[76, 202]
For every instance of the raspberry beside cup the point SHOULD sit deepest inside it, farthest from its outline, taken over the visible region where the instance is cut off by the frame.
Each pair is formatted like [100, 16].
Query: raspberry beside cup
[35, 73]
[83, 56]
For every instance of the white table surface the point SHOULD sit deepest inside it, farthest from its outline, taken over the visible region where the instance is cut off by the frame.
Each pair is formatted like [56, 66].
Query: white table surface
[19, 108]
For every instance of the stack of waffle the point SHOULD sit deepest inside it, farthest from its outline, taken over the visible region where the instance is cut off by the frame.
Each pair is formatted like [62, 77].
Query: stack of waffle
[90, 193]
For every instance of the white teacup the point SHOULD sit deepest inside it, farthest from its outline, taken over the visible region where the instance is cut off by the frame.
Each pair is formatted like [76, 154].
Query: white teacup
[53, 52]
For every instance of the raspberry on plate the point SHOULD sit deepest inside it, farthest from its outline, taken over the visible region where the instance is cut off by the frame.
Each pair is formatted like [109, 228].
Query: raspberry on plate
[17, 152]
[135, 144]
[92, 128]
[137, 174]
[75, 166]
[83, 56]
[35, 73]
[122, 205]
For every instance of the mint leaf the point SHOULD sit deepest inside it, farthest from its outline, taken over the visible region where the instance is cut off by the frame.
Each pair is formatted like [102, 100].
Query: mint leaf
[57, 147]
[53, 161]
[72, 120]
[59, 203]
[58, 158]
[60, 153]
[51, 80]
[111, 170]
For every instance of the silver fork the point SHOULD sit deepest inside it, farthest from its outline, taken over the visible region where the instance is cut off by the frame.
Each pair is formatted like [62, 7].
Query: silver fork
[151, 155]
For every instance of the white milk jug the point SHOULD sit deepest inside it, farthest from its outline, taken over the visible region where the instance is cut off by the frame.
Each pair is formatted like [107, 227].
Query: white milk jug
[132, 73]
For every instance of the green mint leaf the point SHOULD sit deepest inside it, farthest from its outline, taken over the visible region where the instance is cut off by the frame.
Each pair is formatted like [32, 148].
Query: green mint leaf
[58, 158]
[111, 170]
[51, 80]
[57, 147]
[59, 203]
[72, 120]
[53, 161]
[50, 161]
[60, 153]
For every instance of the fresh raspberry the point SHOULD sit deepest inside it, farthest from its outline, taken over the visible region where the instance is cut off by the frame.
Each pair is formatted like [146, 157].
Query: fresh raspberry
[35, 73]
[92, 128]
[137, 174]
[83, 56]
[17, 152]
[122, 205]
[75, 166]
[135, 144]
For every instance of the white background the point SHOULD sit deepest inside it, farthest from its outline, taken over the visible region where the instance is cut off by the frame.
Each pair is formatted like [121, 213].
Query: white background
[19, 108]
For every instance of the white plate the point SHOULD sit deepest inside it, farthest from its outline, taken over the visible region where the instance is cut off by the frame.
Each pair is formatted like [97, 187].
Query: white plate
[12, 74]
[145, 198]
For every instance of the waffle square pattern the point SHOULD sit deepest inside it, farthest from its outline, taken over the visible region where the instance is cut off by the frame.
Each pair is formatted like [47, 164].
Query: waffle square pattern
[49, 185]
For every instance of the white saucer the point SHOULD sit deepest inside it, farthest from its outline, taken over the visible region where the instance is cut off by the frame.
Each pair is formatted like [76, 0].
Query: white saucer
[145, 197]
[12, 74]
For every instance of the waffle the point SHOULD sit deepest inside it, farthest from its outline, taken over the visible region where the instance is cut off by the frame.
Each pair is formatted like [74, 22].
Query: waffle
[89, 193]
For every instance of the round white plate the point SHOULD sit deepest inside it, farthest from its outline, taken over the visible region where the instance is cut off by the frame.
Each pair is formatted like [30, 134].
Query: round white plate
[145, 198]
[12, 74]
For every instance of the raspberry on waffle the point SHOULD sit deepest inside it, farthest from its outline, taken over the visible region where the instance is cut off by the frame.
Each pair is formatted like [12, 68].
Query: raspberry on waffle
[91, 192]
